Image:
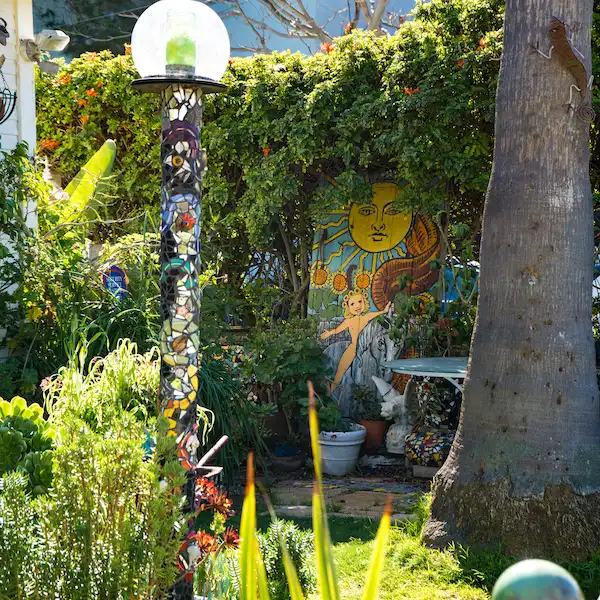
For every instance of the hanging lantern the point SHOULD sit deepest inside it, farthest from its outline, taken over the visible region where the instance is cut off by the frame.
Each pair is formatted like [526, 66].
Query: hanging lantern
[8, 100]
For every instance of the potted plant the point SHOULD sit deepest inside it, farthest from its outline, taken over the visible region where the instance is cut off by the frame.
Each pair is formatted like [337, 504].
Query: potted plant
[368, 412]
[340, 439]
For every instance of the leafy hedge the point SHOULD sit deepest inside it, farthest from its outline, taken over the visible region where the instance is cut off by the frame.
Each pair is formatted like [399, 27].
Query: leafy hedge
[417, 106]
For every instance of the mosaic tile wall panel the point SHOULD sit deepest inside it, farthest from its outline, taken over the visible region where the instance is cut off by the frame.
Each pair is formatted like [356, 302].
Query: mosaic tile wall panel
[359, 253]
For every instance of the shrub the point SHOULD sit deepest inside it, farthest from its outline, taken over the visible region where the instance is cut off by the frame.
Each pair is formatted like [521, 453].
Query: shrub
[108, 530]
[300, 546]
[122, 382]
[281, 359]
[26, 442]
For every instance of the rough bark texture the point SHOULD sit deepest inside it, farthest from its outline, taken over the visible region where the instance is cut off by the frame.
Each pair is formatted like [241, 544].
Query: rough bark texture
[524, 470]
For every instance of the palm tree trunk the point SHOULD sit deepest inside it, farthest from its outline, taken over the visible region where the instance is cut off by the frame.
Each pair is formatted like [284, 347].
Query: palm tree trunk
[524, 470]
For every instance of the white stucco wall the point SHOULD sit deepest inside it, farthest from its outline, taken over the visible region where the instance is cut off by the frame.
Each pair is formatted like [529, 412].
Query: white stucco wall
[19, 75]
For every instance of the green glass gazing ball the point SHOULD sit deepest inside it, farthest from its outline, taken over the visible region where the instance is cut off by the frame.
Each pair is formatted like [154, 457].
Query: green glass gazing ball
[536, 580]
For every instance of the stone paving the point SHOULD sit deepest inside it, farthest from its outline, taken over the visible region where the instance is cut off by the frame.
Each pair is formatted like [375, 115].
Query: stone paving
[350, 497]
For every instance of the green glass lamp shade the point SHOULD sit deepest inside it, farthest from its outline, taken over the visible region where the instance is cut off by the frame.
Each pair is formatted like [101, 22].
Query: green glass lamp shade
[181, 51]
[536, 580]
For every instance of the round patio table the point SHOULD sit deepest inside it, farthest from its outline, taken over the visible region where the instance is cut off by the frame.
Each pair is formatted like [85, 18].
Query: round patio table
[452, 369]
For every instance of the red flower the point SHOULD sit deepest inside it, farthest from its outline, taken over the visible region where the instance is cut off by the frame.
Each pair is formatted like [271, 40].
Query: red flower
[461, 63]
[91, 92]
[482, 43]
[411, 91]
[327, 47]
[266, 151]
[230, 61]
[231, 538]
[206, 542]
[348, 28]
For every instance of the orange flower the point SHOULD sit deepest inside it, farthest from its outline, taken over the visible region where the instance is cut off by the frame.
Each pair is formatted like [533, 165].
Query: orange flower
[91, 92]
[50, 144]
[82, 102]
[84, 119]
[99, 84]
[348, 28]
[92, 56]
[127, 48]
[65, 79]
[327, 47]
[230, 61]
[461, 63]
[482, 43]
[410, 91]
[266, 151]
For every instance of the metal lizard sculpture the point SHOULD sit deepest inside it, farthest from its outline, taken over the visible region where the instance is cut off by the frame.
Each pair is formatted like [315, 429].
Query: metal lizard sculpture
[568, 55]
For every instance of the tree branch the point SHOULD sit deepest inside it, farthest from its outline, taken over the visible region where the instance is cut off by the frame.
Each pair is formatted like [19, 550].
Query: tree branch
[377, 16]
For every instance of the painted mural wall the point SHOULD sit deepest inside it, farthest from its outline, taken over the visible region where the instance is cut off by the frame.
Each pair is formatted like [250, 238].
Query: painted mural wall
[359, 255]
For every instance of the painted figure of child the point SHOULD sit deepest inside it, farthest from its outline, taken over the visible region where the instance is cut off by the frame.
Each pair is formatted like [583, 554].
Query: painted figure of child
[357, 317]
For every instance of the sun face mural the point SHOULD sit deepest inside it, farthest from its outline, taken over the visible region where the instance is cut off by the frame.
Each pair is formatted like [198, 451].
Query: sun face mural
[360, 254]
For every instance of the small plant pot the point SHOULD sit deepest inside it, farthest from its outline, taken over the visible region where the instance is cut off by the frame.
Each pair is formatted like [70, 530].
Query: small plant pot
[288, 458]
[375, 434]
[340, 449]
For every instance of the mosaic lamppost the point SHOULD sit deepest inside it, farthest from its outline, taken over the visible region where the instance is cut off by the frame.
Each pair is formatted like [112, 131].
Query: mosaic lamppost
[181, 50]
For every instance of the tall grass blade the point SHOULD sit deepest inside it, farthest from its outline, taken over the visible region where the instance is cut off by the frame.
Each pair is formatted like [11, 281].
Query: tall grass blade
[263, 585]
[378, 555]
[248, 562]
[326, 576]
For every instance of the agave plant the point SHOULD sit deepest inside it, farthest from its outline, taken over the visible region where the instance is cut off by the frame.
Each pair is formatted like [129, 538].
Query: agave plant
[253, 574]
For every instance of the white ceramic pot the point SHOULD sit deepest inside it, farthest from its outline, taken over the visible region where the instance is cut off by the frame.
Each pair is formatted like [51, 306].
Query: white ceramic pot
[340, 449]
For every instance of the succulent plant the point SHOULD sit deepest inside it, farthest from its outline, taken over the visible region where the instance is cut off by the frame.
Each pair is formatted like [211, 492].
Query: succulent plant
[26, 441]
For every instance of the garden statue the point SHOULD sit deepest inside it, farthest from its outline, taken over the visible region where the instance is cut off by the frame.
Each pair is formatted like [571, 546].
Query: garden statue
[395, 406]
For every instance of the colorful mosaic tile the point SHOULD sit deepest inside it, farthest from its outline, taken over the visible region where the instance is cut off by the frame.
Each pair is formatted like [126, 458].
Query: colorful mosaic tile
[182, 169]
[429, 448]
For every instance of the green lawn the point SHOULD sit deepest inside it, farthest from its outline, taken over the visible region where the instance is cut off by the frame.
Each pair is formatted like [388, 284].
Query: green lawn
[414, 572]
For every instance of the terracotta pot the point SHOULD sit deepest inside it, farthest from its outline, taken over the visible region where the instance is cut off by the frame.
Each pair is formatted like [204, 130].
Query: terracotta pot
[375, 434]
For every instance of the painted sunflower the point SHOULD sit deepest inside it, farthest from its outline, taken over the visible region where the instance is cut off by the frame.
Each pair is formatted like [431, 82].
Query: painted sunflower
[362, 280]
[339, 282]
[319, 276]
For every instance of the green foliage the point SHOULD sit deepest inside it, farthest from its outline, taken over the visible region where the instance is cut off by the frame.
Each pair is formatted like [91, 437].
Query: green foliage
[281, 359]
[221, 394]
[20, 184]
[300, 546]
[368, 405]
[423, 323]
[26, 441]
[297, 136]
[91, 101]
[123, 381]
[108, 528]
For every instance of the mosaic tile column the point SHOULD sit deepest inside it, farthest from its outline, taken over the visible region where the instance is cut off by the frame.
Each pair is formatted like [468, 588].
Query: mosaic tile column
[182, 169]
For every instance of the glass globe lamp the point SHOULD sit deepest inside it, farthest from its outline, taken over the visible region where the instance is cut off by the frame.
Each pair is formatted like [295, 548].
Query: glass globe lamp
[180, 41]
